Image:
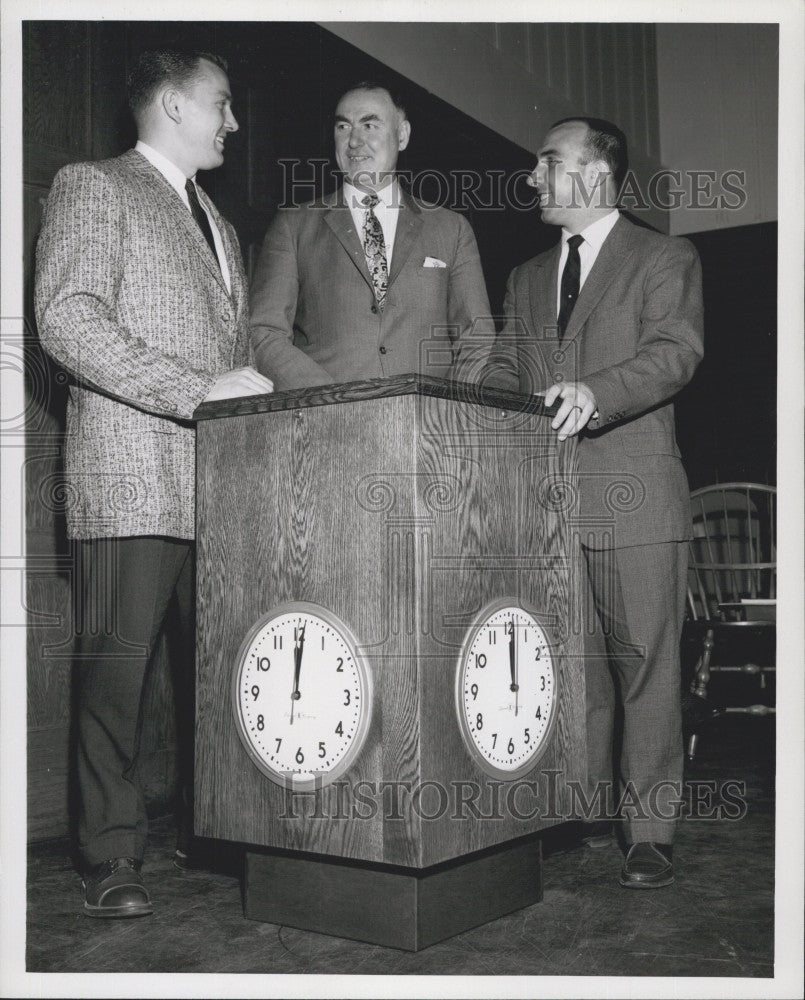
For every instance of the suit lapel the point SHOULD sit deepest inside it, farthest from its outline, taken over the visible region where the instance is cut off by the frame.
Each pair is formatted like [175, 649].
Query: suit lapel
[542, 292]
[409, 224]
[339, 219]
[178, 211]
[614, 253]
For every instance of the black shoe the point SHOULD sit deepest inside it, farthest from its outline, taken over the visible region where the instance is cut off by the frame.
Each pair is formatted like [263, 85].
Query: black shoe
[648, 866]
[597, 835]
[115, 888]
[186, 860]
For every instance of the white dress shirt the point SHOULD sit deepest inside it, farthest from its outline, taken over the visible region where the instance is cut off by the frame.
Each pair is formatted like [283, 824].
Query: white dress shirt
[177, 180]
[594, 236]
[387, 211]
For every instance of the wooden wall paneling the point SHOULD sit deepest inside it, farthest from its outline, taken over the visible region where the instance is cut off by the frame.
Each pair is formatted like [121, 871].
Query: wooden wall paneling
[611, 107]
[576, 69]
[514, 42]
[591, 49]
[111, 125]
[649, 110]
[56, 92]
[626, 77]
[538, 45]
[557, 58]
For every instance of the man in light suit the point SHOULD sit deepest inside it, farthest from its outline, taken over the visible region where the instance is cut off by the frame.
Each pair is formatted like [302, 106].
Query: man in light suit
[141, 297]
[626, 305]
[368, 282]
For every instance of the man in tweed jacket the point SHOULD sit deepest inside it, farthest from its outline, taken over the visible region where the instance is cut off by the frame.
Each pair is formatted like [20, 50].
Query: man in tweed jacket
[141, 297]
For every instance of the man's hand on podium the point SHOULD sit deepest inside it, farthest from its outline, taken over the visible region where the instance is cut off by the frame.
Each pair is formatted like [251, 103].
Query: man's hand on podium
[239, 382]
[576, 409]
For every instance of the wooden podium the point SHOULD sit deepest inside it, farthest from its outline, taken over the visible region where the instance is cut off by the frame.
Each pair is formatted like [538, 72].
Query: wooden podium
[387, 597]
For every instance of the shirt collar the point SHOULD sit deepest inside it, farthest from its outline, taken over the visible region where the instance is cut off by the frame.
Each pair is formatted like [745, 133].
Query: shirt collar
[388, 196]
[172, 174]
[597, 231]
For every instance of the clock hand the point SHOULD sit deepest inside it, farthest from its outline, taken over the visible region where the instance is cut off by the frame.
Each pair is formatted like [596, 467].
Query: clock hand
[514, 686]
[297, 668]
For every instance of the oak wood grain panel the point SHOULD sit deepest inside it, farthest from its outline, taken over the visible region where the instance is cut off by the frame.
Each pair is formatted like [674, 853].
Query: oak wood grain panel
[499, 538]
[48, 766]
[291, 524]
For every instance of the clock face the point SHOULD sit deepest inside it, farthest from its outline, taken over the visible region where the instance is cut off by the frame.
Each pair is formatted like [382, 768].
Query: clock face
[506, 690]
[302, 696]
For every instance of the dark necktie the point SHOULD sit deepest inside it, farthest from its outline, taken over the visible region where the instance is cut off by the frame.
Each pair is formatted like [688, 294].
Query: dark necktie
[374, 248]
[201, 217]
[569, 289]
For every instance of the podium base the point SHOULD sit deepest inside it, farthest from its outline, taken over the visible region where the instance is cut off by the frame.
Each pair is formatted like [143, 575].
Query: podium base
[405, 908]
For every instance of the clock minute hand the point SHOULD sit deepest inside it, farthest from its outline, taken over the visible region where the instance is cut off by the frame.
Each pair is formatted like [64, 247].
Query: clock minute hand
[297, 668]
[514, 686]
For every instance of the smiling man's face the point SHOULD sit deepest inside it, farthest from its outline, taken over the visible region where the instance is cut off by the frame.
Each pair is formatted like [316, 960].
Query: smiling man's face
[370, 132]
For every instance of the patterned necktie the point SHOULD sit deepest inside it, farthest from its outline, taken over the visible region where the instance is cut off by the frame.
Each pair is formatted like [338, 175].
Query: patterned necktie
[569, 290]
[374, 248]
[201, 217]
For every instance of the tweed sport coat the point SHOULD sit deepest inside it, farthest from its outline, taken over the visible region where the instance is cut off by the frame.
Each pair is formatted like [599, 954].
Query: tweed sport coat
[313, 312]
[635, 337]
[131, 302]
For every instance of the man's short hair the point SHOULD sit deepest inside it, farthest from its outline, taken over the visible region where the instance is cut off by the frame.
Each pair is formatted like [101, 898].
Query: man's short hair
[396, 100]
[156, 67]
[606, 142]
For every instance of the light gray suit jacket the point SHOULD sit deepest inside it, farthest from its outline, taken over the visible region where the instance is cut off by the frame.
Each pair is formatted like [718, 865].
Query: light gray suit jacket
[635, 338]
[313, 312]
[131, 302]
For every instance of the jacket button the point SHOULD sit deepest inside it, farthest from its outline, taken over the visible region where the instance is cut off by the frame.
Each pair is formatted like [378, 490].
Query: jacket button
[374, 308]
[382, 350]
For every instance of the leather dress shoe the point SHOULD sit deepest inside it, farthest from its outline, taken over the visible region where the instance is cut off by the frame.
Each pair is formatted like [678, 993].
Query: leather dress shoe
[114, 889]
[186, 860]
[648, 866]
[597, 835]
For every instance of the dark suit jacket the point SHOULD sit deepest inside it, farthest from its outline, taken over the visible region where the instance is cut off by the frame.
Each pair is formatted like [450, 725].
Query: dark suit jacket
[313, 314]
[131, 301]
[635, 338]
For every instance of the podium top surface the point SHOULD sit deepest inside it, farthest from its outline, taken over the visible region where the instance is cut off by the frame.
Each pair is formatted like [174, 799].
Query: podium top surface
[348, 392]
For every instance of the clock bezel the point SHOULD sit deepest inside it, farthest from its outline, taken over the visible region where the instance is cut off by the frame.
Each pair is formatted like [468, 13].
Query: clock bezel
[285, 779]
[490, 609]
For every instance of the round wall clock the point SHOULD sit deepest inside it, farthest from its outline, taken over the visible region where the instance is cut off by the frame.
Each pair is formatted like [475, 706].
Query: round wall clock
[506, 694]
[302, 696]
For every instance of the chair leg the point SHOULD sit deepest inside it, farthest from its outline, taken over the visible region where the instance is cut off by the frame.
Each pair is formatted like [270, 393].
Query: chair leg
[692, 743]
[702, 675]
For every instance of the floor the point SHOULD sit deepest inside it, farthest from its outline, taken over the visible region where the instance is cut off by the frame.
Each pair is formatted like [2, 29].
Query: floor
[715, 921]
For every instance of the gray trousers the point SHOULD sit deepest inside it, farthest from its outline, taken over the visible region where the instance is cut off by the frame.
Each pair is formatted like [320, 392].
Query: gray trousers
[633, 679]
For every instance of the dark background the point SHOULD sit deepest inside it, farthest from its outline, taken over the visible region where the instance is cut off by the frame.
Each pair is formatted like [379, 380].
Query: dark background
[286, 79]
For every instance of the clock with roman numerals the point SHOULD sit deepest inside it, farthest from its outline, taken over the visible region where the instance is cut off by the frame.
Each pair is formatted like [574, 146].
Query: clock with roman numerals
[506, 691]
[302, 696]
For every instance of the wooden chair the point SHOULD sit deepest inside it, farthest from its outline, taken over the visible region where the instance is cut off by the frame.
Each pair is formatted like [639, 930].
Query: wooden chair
[732, 587]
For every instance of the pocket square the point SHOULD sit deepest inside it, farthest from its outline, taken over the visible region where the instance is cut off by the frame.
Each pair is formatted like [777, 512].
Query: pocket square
[433, 262]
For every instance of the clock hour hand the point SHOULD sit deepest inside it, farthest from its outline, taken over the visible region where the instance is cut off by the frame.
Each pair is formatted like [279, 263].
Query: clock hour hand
[514, 686]
[298, 649]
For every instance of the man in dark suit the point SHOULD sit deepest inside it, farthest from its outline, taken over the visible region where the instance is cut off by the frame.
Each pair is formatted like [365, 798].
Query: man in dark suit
[368, 282]
[625, 305]
[141, 296]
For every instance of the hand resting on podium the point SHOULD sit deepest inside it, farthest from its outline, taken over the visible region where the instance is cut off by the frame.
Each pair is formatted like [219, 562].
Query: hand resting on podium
[239, 382]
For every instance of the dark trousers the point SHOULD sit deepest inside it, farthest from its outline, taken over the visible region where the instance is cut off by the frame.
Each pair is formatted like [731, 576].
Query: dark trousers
[633, 676]
[129, 589]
